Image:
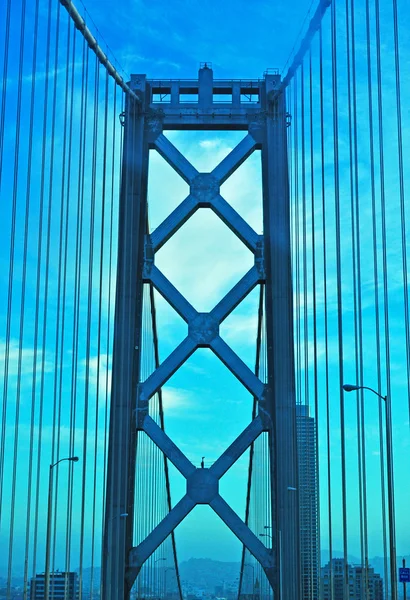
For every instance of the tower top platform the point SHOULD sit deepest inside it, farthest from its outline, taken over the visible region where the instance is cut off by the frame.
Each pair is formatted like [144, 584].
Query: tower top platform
[206, 103]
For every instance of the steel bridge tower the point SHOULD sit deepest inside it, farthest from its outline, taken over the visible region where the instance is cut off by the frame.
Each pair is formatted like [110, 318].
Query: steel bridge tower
[264, 125]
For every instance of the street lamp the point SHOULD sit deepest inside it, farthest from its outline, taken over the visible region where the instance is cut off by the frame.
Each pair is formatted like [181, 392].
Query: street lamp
[390, 481]
[156, 574]
[165, 579]
[49, 518]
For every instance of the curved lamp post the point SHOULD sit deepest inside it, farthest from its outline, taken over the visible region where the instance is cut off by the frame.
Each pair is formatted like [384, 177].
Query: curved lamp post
[165, 579]
[157, 576]
[390, 482]
[49, 519]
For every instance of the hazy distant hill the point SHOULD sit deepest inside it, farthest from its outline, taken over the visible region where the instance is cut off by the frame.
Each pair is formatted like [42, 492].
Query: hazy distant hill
[207, 573]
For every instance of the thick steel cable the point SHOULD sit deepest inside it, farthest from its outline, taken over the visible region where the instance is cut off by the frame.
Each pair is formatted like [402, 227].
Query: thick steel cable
[314, 26]
[93, 44]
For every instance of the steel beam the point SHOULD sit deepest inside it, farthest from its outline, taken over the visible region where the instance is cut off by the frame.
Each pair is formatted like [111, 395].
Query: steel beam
[172, 295]
[175, 159]
[140, 553]
[242, 531]
[236, 295]
[237, 448]
[234, 159]
[171, 450]
[166, 369]
[173, 222]
[235, 222]
[237, 367]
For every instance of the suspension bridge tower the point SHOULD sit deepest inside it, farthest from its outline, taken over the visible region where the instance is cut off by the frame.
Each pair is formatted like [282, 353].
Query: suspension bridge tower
[195, 105]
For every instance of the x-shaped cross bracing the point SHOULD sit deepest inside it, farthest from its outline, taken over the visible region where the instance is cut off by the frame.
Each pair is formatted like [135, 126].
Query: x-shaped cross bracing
[203, 331]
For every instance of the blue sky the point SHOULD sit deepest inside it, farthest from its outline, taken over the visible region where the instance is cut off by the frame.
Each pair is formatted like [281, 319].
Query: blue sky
[241, 40]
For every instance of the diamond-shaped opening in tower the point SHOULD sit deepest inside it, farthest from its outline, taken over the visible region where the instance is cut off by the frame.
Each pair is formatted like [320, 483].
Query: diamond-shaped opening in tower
[203, 534]
[243, 191]
[205, 149]
[166, 189]
[158, 576]
[151, 485]
[240, 328]
[233, 485]
[204, 260]
[205, 407]
[171, 328]
[260, 498]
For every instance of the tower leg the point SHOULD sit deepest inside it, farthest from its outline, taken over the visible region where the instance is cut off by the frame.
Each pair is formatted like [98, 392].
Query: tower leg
[126, 351]
[279, 324]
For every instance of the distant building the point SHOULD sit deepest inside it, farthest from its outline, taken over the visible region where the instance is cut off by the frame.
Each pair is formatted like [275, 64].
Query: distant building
[356, 581]
[63, 586]
[308, 503]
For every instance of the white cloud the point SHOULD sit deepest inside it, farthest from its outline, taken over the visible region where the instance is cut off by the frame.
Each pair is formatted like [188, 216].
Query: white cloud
[175, 398]
[22, 359]
[98, 376]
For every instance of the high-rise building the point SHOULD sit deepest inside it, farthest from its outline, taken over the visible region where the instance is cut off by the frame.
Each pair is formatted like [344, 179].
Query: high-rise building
[356, 580]
[63, 586]
[308, 503]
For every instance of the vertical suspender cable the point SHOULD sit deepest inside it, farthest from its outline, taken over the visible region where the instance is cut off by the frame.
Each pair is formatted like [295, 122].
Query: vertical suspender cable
[33, 404]
[314, 552]
[4, 82]
[10, 297]
[52, 193]
[41, 221]
[401, 191]
[351, 84]
[376, 279]
[391, 511]
[90, 281]
[358, 296]
[338, 286]
[69, 160]
[325, 312]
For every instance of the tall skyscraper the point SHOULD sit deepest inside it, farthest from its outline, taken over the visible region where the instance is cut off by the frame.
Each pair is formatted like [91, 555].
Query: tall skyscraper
[308, 503]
